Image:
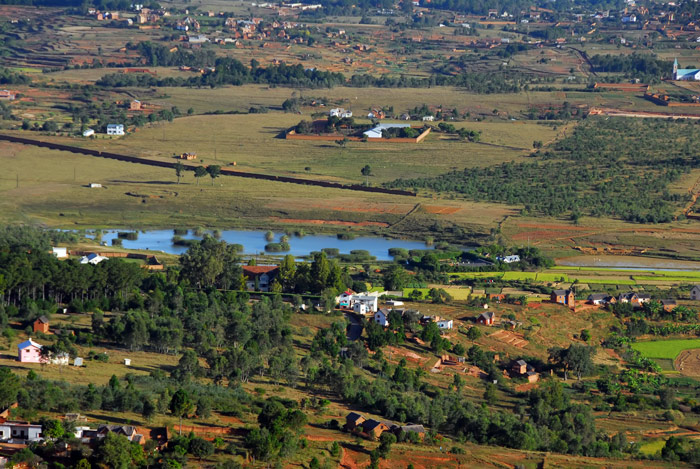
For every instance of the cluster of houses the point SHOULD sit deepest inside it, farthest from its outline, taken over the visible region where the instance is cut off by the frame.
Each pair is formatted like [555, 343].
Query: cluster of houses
[23, 433]
[373, 429]
[636, 299]
[361, 303]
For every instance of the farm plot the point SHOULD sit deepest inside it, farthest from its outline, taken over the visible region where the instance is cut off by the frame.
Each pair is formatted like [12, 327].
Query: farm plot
[510, 338]
[669, 349]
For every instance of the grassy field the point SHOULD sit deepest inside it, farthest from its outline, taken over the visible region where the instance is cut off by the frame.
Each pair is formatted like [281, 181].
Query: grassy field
[668, 349]
[51, 191]
[217, 140]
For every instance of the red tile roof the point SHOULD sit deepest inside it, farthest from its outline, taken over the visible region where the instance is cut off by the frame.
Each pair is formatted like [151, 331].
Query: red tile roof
[258, 269]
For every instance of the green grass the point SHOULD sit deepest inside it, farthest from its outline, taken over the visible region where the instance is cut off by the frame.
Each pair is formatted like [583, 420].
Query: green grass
[519, 276]
[650, 448]
[552, 277]
[477, 274]
[668, 349]
[668, 278]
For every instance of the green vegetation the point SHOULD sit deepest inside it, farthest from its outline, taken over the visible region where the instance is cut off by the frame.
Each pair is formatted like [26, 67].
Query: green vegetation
[607, 167]
[665, 348]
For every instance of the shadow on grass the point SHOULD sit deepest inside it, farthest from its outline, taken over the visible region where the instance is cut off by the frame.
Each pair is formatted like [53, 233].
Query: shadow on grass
[164, 183]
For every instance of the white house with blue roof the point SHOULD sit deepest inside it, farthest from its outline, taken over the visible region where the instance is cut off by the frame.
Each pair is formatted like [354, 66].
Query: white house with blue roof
[685, 73]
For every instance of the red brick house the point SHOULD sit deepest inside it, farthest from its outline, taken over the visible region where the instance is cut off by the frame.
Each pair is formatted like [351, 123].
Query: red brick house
[564, 297]
[486, 318]
[42, 325]
[374, 428]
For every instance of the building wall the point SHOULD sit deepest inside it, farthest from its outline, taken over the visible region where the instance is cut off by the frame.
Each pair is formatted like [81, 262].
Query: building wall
[30, 354]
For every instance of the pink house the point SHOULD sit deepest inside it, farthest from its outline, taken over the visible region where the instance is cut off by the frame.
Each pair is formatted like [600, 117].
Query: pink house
[29, 352]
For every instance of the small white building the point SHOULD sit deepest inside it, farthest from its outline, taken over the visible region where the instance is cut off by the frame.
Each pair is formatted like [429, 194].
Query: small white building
[115, 129]
[78, 361]
[95, 185]
[127, 361]
[509, 259]
[445, 324]
[377, 132]
[59, 252]
[340, 112]
[394, 303]
[88, 133]
[92, 258]
[198, 39]
[428, 118]
[381, 317]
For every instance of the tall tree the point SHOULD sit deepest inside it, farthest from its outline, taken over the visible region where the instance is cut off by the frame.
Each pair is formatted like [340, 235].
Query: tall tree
[214, 172]
[181, 405]
[200, 172]
[179, 170]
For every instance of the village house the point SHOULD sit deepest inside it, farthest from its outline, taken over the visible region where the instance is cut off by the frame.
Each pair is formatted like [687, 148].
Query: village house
[259, 277]
[88, 133]
[42, 325]
[695, 293]
[135, 105]
[521, 368]
[92, 258]
[668, 305]
[486, 319]
[29, 352]
[340, 112]
[20, 432]
[634, 298]
[445, 324]
[7, 95]
[508, 259]
[564, 297]
[374, 428]
[365, 303]
[376, 114]
[410, 428]
[115, 129]
[377, 131]
[59, 252]
[129, 431]
[188, 156]
[600, 299]
[345, 299]
[381, 317]
[353, 420]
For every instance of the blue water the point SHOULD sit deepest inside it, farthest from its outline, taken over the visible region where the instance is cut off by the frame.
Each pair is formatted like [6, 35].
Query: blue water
[254, 242]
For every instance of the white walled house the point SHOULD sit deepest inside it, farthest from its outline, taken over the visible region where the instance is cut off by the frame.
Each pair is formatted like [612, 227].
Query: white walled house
[20, 431]
[59, 252]
[381, 317]
[445, 324]
[340, 112]
[371, 302]
[115, 129]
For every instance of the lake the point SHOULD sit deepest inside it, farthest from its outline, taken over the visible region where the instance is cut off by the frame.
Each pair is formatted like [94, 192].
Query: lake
[254, 242]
